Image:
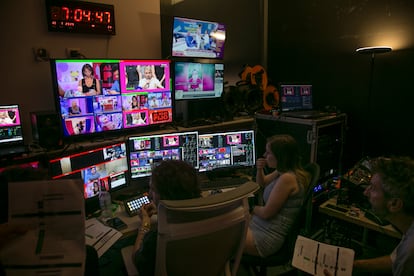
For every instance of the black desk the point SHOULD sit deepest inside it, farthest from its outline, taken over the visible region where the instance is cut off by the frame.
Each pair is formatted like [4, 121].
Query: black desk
[359, 220]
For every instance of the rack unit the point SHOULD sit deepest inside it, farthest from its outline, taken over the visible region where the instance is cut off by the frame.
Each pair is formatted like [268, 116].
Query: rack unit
[320, 140]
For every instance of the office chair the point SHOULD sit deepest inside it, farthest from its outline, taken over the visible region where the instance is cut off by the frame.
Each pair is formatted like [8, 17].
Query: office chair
[302, 225]
[201, 236]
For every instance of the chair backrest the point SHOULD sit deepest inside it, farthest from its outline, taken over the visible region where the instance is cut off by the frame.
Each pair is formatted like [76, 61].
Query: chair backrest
[314, 170]
[201, 236]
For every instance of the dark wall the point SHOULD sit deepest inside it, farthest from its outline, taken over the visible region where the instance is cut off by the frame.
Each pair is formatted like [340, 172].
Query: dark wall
[316, 40]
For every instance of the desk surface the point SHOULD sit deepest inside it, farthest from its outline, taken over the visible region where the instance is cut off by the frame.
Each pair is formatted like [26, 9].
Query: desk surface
[360, 219]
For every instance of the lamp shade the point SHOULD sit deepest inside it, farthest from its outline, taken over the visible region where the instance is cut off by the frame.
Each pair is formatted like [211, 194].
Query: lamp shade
[374, 50]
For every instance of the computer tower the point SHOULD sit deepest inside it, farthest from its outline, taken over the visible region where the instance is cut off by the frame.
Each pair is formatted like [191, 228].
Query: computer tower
[320, 140]
[46, 130]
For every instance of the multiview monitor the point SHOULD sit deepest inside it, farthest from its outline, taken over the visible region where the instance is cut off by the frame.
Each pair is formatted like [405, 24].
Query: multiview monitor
[226, 150]
[146, 151]
[197, 38]
[102, 168]
[100, 96]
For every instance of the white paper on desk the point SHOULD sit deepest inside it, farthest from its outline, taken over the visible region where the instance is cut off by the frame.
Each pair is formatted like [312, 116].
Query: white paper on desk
[313, 257]
[54, 211]
[100, 236]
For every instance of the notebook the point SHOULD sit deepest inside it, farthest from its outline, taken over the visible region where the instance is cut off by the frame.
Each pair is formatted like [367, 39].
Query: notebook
[296, 101]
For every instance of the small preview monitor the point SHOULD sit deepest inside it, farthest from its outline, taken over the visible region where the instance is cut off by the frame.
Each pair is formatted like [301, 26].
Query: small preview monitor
[10, 124]
[197, 38]
[103, 168]
[226, 150]
[197, 80]
[11, 134]
[146, 151]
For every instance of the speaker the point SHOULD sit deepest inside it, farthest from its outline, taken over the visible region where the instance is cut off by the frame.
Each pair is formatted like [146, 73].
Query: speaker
[46, 129]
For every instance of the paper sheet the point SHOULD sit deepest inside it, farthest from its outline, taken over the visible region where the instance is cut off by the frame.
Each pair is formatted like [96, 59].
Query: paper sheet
[55, 242]
[100, 236]
[313, 257]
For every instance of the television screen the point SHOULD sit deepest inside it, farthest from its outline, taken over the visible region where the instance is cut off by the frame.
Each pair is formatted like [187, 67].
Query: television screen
[10, 124]
[226, 150]
[103, 168]
[197, 38]
[101, 96]
[194, 80]
[144, 152]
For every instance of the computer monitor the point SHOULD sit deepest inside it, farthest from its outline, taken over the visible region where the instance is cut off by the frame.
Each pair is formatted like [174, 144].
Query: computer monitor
[11, 136]
[198, 80]
[102, 168]
[295, 97]
[226, 150]
[146, 151]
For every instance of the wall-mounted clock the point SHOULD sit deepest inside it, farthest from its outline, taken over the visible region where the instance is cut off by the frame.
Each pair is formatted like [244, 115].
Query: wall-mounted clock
[80, 17]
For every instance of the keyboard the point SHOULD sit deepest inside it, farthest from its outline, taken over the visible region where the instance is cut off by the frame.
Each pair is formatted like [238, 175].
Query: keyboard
[223, 182]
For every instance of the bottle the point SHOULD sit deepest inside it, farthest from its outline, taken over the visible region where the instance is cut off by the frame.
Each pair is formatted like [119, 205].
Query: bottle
[105, 203]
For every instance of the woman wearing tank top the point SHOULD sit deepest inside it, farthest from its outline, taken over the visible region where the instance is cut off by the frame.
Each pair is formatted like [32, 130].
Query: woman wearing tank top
[283, 194]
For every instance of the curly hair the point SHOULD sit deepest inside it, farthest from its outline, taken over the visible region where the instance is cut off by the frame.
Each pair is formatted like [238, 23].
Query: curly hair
[175, 180]
[397, 175]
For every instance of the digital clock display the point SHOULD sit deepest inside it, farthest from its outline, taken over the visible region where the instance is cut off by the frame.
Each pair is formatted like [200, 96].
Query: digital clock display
[80, 17]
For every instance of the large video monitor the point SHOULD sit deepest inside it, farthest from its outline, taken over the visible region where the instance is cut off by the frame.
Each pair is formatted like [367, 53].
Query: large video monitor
[99, 96]
[196, 80]
[103, 168]
[197, 38]
[226, 150]
[145, 152]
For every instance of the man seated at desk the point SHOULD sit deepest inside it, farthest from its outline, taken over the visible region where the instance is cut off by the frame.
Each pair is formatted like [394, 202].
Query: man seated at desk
[391, 193]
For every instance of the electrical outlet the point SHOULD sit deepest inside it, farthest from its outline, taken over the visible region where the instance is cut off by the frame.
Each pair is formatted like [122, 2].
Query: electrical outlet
[40, 54]
[72, 52]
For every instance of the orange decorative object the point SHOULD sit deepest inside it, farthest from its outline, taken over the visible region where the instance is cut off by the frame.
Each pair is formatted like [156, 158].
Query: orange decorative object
[270, 98]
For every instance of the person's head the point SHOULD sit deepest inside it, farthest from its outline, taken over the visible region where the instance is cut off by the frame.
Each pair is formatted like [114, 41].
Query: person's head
[95, 186]
[74, 104]
[391, 187]
[87, 70]
[147, 72]
[115, 72]
[93, 170]
[282, 153]
[134, 99]
[174, 180]
[194, 74]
